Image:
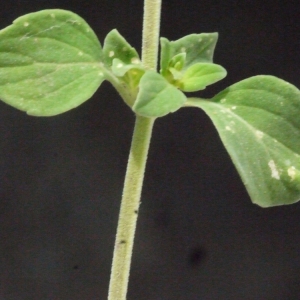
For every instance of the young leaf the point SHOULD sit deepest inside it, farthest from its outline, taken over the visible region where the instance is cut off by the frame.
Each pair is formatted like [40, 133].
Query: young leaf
[157, 97]
[119, 68]
[198, 48]
[178, 61]
[173, 72]
[200, 75]
[50, 62]
[129, 75]
[259, 124]
[115, 46]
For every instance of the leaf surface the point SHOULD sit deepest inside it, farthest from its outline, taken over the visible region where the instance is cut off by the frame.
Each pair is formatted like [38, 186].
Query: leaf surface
[115, 46]
[200, 75]
[198, 48]
[157, 97]
[119, 68]
[50, 62]
[258, 120]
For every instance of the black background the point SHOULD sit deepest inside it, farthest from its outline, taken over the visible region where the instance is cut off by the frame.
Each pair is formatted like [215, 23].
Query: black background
[199, 236]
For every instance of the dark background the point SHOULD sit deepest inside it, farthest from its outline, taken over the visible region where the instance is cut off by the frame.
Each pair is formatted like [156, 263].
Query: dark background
[199, 236]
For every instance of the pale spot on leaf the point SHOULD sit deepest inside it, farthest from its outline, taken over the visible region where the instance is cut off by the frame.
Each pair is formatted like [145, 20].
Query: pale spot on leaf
[274, 171]
[26, 24]
[228, 128]
[135, 61]
[223, 100]
[292, 172]
[259, 134]
[111, 53]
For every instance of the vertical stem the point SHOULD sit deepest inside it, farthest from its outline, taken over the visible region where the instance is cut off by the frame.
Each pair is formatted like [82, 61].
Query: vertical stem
[152, 9]
[129, 208]
[120, 270]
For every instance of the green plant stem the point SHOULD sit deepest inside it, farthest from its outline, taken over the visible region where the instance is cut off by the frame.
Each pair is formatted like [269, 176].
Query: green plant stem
[120, 270]
[152, 9]
[129, 208]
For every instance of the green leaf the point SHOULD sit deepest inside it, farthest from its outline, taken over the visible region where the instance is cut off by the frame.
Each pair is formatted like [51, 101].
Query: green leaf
[198, 48]
[174, 69]
[119, 68]
[258, 120]
[129, 75]
[115, 46]
[123, 63]
[157, 97]
[50, 62]
[200, 75]
[178, 61]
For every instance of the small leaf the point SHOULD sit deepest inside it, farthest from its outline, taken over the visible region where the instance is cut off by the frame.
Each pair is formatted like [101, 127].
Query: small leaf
[198, 48]
[50, 62]
[200, 75]
[259, 124]
[129, 75]
[157, 97]
[119, 68]
[174, 68]
[115, 46]
[178, 61]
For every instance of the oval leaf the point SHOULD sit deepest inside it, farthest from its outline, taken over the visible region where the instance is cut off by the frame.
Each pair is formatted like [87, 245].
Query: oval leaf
[157, 97]
[50, 62]
[200, 75]
[259, 124]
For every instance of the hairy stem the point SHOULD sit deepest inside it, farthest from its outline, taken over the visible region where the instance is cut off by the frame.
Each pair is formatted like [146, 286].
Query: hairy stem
[136, 166]
[152, 9]
[129, 208]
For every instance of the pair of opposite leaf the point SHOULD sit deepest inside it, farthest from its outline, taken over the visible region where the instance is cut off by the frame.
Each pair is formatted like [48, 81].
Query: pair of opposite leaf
[51, 61]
